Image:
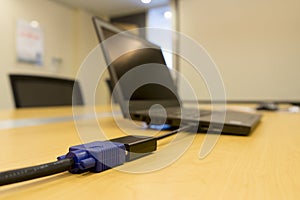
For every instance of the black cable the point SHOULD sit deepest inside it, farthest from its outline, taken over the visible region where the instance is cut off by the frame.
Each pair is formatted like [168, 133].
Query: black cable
[184, 128]
[137, 145]
[19, 175]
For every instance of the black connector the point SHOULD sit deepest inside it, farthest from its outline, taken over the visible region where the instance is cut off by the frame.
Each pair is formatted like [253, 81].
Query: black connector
[137, 146]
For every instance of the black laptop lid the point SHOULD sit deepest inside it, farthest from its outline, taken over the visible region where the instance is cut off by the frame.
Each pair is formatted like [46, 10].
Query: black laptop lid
[141, 53]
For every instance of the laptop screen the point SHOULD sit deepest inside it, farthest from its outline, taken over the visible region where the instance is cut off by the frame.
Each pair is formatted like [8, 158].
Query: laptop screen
[138, 52]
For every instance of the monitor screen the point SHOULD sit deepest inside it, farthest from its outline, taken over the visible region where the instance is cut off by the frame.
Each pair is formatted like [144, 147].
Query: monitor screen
[138, 52]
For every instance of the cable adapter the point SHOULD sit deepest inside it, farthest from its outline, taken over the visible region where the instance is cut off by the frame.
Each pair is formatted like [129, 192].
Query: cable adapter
[137, 146]
[95, 156]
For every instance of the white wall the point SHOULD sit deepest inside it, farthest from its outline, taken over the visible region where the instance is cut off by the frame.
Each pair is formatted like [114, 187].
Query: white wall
[255, 44]
[68, 34]
[90, 57]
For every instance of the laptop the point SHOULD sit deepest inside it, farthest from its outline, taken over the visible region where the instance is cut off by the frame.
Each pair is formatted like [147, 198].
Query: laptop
[136, 102]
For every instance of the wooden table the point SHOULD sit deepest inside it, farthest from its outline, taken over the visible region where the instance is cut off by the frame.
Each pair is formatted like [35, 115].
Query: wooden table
[263, 165]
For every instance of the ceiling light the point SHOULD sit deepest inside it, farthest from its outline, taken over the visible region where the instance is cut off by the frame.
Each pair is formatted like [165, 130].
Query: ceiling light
[146, 1]
[34, 24]
[168, 14]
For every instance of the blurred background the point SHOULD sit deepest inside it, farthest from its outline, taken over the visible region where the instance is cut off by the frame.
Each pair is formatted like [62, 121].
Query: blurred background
[255, 44]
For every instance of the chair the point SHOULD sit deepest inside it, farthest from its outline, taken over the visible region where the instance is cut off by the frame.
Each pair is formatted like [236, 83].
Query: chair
[40, 91]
